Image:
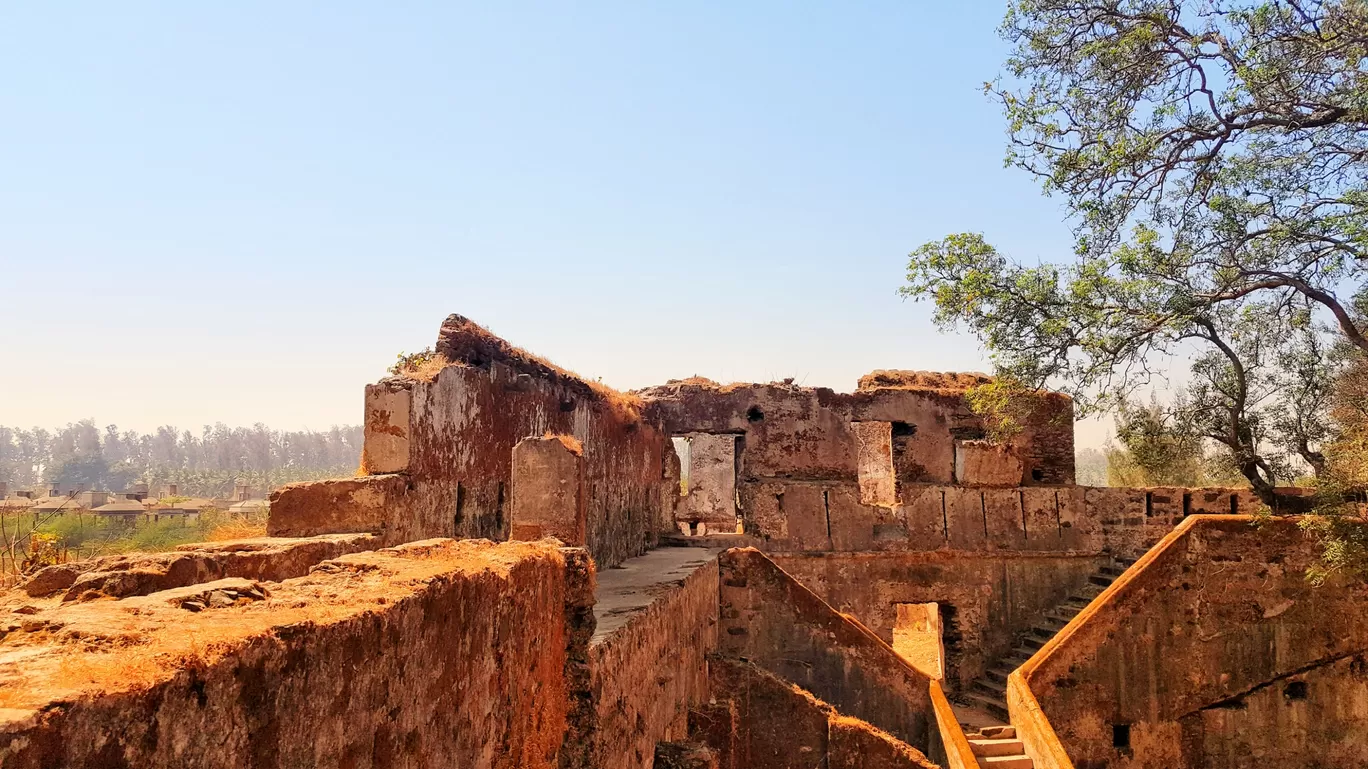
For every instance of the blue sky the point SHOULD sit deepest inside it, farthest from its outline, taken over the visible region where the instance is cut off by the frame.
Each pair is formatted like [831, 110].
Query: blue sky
[242, 212]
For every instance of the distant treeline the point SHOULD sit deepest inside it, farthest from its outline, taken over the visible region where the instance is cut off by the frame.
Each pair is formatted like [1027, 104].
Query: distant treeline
[207, 464]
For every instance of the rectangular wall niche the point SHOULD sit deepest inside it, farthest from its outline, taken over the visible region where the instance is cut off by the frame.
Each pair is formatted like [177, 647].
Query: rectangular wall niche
[874, 463]
[917, 637]
[711, 475]
[681, 447]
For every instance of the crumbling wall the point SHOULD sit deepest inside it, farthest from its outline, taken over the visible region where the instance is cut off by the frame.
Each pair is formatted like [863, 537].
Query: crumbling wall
[1212, 645]
[767, 617]
[262, 558]
[985, 601]
[373, 503]
[440, 451]
[759, 721]
[434, 653]
[647, 674]
[805, 433]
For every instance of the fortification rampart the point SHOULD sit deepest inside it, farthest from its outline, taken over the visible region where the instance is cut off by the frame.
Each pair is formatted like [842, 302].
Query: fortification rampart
[866, 510]
[1212, 651]
[430, 653]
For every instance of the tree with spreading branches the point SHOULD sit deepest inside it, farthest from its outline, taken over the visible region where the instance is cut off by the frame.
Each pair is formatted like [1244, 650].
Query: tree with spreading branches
[1212, 156]
[1236, 130]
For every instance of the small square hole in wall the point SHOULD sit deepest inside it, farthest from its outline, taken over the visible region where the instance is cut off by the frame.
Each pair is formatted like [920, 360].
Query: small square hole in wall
[1295, 690]
[1121, 736]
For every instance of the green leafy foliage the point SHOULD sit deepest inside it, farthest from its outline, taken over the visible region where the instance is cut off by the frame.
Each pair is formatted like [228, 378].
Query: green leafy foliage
[1160, 446]
[1213, 157]
[1007, 407]
[409, 362]
[1103, 333]
[1215, 147]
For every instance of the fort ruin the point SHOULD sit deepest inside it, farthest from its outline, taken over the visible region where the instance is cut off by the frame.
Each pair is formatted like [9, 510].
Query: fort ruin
[518, 577]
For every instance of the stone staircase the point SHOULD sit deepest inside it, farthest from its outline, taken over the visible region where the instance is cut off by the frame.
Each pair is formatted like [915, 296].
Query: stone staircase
[997, 747]
[989, 692]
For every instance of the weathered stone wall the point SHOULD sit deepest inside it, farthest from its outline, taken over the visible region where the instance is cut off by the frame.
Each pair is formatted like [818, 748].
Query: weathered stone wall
[434, 653]
[822, 516]
[647, 674]
[792, 432]
[1324, 726]
[1213, 651]
[260, 558]
[758, 721]
[442, 453]
[373, 503]
[985, 600]
[1131, 520]
[984, 463]
[812, 516]
[767, 617]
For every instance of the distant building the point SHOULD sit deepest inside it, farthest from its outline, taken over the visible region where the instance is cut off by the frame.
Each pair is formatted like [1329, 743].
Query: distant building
[19, 502]
[250, 507]
[60, 503]
[132, 504]
[128, 510]
[245, 504]
[183, 508]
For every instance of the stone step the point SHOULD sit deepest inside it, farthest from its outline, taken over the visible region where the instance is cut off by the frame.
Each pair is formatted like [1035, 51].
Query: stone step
[1034, 642]
[1007, 762]
[1100, 580]
[1005, 732]
[994, 706]
[999, 673]
[1112, 571]
[991, 688]
[1045, 631]
[997, 747]
[1018, 656]
[1062, 614]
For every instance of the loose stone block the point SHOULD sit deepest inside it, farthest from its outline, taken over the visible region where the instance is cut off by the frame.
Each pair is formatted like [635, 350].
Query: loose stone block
[548, 490]
[389, 408]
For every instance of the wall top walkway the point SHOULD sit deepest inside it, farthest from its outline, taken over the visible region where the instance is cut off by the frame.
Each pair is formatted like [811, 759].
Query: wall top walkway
[625, 591]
